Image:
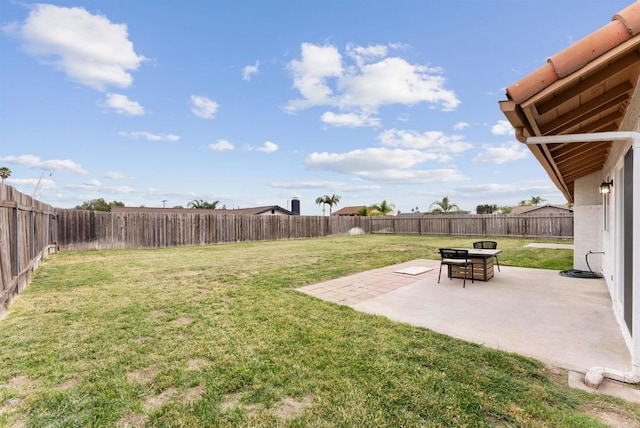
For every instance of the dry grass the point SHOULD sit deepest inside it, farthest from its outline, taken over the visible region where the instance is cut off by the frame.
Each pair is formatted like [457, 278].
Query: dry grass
[216, 336]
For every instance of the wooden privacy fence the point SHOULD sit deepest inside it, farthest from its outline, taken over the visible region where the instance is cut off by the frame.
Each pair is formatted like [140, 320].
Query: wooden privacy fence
[28, 233]
[82, 230]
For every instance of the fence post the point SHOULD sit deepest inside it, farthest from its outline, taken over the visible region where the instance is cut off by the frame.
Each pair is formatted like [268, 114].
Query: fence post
[15, 257]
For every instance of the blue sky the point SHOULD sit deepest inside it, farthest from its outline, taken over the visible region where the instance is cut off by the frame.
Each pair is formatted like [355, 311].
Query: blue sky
[252, 103]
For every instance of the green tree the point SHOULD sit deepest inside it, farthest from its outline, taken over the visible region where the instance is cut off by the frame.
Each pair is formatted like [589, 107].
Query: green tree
[4, 173]
[325, 200]
[384, 208]
[444, 207]
[363, 212]
[332, 201]
[200, 204]
[98, 205]
[535, 200]
[322, 200]
[486, 209]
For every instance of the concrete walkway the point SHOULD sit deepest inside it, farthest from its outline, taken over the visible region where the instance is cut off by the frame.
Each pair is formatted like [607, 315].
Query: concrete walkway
[565, 322]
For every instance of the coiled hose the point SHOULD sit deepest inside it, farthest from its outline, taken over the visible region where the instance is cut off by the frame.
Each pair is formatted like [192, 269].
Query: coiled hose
[574, 273]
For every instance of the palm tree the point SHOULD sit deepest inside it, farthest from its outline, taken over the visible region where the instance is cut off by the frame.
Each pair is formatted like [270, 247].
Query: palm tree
[202, 204]
[331, 201]
[4, 173]
[322, 200]
[444, 206]
[535, 200]
[384, 208]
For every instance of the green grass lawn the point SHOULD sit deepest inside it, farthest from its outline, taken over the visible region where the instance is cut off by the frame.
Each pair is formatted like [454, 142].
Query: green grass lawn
[217, 336]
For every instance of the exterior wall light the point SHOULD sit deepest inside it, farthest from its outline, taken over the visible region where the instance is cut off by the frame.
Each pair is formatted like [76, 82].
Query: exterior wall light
[605, 187]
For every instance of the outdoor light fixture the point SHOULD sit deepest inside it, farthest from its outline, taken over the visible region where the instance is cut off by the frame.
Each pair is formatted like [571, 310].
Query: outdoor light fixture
[605, 187]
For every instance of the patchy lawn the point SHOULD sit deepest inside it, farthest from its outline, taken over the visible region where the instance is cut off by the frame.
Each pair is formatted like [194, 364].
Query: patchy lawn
[216, 336]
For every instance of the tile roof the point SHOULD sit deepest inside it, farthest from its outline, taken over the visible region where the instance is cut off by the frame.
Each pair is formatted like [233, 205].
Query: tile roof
[624, 25]
[589, 87]
[521, 209]
[221, 211]
[348, 210]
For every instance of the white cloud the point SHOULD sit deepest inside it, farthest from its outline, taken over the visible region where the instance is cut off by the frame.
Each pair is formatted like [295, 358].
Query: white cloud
[221, 145]
[93, 183]
[123, 105]
[430, 140]
[323, 184]
[203, 107]
[506, 152]
[349, 119]
[460, 125]
[310, 74]
[416, 177]
[88, 48]
[385, 164]
[32, 161]
[371, 159]
[249, 70]
[44, 183]
[149, 136]
[503, 127]
[114, 175]
[395, 81]
[370, 81]
[515, 191]
[268, 147]
[365, 54]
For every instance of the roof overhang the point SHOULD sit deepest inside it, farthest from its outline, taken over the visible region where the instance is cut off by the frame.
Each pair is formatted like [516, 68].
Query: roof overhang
[593, 98]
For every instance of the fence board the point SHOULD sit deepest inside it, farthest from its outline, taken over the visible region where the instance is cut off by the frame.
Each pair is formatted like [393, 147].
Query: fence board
[80, 230]
[27, 234]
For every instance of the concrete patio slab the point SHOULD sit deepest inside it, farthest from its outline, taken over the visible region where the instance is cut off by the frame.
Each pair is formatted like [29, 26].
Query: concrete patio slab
[565, 322]
[552, 246]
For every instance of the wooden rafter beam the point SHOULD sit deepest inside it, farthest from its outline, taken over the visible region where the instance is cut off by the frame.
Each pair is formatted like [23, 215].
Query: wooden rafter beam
[589, 83]
[606, 101]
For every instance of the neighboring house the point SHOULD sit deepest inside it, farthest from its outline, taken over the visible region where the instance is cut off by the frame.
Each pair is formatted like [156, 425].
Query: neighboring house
[348, 211]
[409, 214]
[579, 116]
[268, 210]
[541, 210]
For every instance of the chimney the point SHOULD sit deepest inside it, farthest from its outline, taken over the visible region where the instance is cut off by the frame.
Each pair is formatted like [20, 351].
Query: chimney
[295, 206]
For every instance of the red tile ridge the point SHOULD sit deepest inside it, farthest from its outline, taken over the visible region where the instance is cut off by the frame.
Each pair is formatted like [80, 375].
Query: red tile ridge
[624, 25]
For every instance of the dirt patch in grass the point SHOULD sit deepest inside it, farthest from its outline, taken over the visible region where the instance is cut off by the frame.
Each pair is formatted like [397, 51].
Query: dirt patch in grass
[10, 405]
[19, 383]
[69, 384]
[613, 418]
[143, 340]
[143, 376]
[192, 395]
[155, 316]
[291, 408]
[233, 401]
[196, 364]
[160, 400]
[133, 420]
[182, 321]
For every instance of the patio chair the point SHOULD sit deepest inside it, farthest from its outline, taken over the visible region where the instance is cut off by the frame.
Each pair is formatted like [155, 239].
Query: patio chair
[488, 245]
[453, 257]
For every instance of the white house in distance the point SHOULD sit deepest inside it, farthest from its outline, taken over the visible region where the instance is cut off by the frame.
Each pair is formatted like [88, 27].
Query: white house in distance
[579, 115]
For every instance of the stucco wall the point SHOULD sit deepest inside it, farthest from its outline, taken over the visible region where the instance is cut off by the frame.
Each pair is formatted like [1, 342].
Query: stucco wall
[587, 212]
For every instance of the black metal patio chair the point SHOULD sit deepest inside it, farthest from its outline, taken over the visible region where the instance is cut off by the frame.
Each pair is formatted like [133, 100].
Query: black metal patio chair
[454, 257]
[488, 245]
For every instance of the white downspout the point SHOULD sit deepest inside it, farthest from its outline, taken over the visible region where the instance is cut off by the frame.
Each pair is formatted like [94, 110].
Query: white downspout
[596, 375]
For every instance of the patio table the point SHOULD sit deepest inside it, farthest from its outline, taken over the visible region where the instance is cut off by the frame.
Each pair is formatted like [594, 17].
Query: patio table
[483, 262]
